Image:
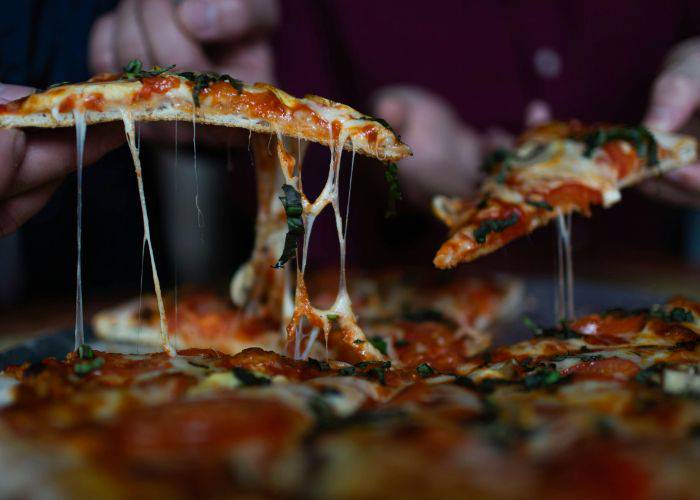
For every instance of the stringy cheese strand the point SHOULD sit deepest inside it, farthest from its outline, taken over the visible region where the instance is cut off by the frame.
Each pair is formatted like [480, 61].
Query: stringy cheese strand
[79, 153]
[129, 129]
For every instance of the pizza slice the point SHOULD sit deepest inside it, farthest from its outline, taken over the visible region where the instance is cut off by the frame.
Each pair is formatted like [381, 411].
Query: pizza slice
[556, 169]
[276, 117]
[411, 321]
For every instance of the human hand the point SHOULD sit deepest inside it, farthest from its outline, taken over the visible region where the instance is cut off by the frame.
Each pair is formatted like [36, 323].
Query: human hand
[675, 98]
[226, 36]
[33, 163]
[447, 153]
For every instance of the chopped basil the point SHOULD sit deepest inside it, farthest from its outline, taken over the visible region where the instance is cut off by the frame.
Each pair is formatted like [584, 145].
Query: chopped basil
[391, 174]
[675, 315]
[483, 203]
[203, 80]
[197, 365]
[295, 225]
[134, 70]
[59, 84]
[321, 366]
[401, 343]
[540, 204]
[85, 352]
[347, 371]
[84, 367]
[381, 122]
[494, 226]
[643, 141]
[333, 317]
[532, 326]
[322, 411]
[500, 157]
[379, 343]
[425, 370]
[374, 369]
[541, 378]
[358, 341]
[248, 378]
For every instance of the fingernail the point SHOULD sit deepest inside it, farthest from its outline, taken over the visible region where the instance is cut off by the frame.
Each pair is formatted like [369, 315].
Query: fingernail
[200, 17]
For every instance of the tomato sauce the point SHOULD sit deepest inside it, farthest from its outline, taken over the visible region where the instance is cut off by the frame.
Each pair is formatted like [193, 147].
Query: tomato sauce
[156, 85]
[623, 157]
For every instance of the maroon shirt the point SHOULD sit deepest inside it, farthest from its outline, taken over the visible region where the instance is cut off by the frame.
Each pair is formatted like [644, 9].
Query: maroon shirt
[593, 60]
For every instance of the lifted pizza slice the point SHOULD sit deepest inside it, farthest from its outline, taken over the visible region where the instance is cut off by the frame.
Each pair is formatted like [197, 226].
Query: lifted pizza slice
[556, 169]
[163, 94]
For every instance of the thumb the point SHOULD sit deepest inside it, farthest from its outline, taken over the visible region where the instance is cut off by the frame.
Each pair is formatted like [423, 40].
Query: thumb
[676, 92]
[393, 108]
[224, 20]
[674, 98]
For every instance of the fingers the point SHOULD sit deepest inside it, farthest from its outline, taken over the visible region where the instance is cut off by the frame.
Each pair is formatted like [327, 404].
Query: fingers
[12, 92]
[49, 155]
[101, 55]
[447, 153]
[167, 42]
[148, 30]
[17, 210]
[225, 20]
[676, 92]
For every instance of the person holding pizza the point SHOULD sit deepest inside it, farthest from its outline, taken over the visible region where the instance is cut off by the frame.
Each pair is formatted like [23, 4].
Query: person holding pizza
[478, 73]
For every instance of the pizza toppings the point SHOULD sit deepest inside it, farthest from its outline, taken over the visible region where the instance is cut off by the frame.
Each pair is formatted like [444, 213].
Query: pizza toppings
[212, 424]
[557, 169]
[291, 200]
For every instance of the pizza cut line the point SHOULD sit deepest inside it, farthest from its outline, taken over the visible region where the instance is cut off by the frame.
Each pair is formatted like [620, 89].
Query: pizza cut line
[278, 118]
[556, 169]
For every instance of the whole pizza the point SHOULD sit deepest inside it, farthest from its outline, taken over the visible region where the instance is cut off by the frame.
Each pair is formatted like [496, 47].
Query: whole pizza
[309, 384]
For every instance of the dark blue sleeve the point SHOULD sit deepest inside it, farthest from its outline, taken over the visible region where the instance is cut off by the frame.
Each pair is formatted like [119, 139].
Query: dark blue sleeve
[45, 41]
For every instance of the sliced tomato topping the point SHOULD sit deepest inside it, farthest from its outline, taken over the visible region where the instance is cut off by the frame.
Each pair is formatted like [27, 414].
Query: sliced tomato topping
[605, 368]
[623, 157]
[576, 195]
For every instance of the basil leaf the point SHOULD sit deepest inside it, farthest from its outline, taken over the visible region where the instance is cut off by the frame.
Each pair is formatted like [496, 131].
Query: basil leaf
[381, 122]
[494, 226]
[84, 367]
[134, 70]
[640, 137]
[675, 315]
[542, 378]
[203, 80]
[425, 370]
[379, 343]
[540, 204]
[248, 378]
[532, 326]
[85, 352]
[391, 174]
[321, 366]
[295, 225]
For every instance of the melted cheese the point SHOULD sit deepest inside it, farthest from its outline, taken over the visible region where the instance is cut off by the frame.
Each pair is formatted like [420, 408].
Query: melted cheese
[130, 136]
[562, 162]
[565, 282]
[340, 314]
[79, 154]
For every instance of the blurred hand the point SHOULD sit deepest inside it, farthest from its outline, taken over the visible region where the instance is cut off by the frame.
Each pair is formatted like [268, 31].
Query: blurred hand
[447, 153]
[33, 163]
[226, 36]
[675, 98]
